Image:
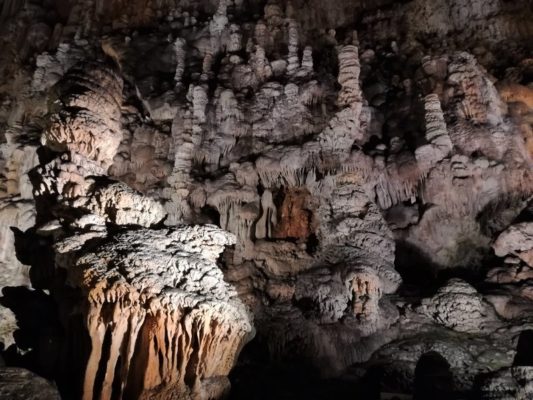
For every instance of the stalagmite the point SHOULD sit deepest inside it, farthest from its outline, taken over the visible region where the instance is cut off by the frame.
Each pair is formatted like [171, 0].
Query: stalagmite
[307, 59]
[436, 132]
[440, 145]
[235, 41]
[292, 59]
[199, 101]
[179, 49]
[19, 214]
[172, 324]
[480, 103]
[349, 69]
[260, 64]
[88, 118]
[217, 26]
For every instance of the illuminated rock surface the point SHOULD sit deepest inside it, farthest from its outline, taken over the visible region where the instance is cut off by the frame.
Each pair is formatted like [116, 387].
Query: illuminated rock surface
[159, 295]
[350, 181]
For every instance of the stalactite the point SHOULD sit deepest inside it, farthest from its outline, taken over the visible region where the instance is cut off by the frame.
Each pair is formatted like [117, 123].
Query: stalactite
[440, 144]
[9, 8]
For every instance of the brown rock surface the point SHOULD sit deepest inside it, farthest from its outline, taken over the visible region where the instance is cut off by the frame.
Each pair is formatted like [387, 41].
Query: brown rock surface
[295, 215]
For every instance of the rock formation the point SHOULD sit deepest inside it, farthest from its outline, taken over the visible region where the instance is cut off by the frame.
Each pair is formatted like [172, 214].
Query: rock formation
[17, 383]
[350, 181]
[158, 295]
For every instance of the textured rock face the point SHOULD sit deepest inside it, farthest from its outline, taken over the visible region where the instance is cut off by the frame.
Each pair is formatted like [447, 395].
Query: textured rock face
[516, 241]
[18, 383]
[367, 164]
[512, 383]
[460, 307]
[87, 121]
[146, 295]
[295, 216]
[159, 295]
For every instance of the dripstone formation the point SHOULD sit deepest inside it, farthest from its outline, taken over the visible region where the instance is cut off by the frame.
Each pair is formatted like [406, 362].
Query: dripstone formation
[266, 199]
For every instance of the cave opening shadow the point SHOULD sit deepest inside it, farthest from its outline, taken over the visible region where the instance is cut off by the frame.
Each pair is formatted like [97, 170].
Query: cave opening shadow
[38, 334]
[433, 378]
[418, 271]
[259, 375]
[524, 349]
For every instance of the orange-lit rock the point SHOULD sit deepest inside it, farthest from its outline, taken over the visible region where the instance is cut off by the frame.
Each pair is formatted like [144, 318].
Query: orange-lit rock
[295, 218]
[520, 99]
[162, 322]
[515, 93]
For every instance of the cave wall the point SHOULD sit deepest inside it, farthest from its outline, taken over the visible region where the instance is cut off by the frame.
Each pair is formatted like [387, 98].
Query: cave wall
[369, 162]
